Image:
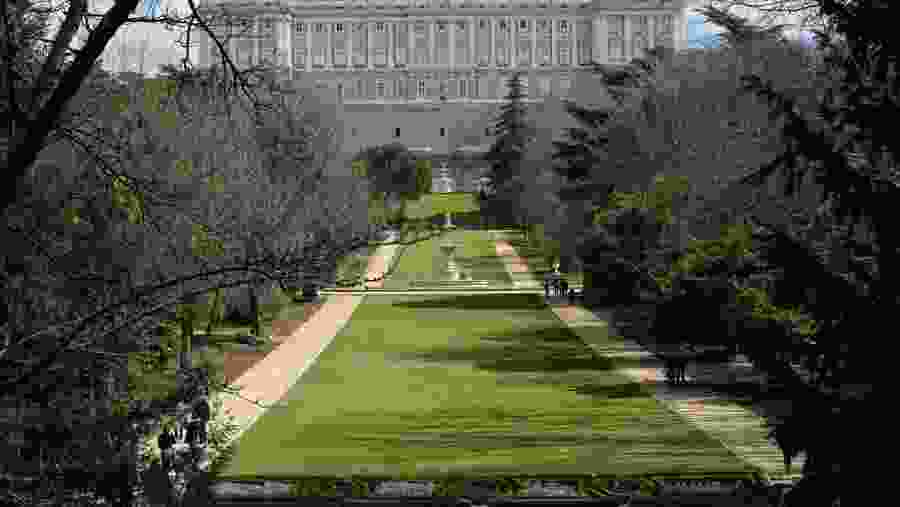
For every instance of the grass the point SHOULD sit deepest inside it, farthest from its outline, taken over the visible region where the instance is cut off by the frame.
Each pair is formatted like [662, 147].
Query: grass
[424, 261]
[474, 385]
[436, 204]
[536, 258]
[353, 266]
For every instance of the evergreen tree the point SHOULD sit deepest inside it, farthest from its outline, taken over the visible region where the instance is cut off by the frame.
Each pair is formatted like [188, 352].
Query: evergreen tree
[512, 133]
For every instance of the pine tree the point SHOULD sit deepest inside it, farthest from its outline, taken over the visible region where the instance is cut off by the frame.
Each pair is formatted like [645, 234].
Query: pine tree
[512, 133]
[583, 146]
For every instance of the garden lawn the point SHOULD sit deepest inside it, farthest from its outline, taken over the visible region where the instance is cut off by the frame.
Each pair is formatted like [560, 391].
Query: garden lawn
[476, 385]
[437, 204]
[536, 258]
[424, 261]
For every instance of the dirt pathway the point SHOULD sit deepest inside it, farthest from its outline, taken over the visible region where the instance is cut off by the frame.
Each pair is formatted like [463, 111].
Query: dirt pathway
[738, 428]
[515, 266]
[268, 380]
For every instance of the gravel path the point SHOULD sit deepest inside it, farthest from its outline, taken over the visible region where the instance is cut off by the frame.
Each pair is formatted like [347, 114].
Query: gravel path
[268, 380]
[739, 429]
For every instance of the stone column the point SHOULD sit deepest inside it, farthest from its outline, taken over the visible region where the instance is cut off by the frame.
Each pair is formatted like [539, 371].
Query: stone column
[432, 52]
[391, 33]
[573, 42]
[286, 46]
[308, 45]
[514, 43]
[492, 60]
[329, 61]
[370, 51]
[411, 47]
[348, 43]
[452, 38]
[534, 42]
[473, 51]
[627, 37]
[554, 41]
[600, 51]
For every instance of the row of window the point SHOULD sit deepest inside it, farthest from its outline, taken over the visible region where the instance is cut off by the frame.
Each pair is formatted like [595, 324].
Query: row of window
[442, 132]
[616, 22]
[461, 88]
[616, 25]
[441, 26]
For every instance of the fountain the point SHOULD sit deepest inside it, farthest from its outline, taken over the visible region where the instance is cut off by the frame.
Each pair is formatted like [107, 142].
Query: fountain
[452, 269]
[445, 184]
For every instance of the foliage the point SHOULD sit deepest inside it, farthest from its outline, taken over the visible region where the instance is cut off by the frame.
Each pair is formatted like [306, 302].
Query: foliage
[701, 256]
[423, 176]
[221, 432]
[511, 131]
[450, 486]
[584, 147]
[126, 219]
[359, 487]
[314, 487]
[392, 169]
[511, 486]
[837, 166]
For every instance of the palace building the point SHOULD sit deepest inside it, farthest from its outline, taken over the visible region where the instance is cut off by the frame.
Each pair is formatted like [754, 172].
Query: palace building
[430, 73]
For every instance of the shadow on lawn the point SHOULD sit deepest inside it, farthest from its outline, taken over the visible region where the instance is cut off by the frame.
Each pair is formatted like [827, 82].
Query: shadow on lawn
[480, 302]
[559, 357]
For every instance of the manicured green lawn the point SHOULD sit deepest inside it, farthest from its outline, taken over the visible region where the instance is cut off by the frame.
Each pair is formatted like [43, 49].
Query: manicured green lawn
[486, 385]
[536, 258]
[434, 204]
[476, 255]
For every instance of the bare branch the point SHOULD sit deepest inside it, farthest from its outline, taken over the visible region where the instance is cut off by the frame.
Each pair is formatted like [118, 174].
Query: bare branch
[54, 60]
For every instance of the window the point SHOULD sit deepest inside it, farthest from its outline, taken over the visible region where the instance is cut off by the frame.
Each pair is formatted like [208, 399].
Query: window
[462, 87]
[397, 132]
[564, 26]
[564, 85]
[523, 25]
[441, 26]
[420, 88]
[339, 27]
[267, 24]
[443, 131]
[502, 26]
[487, 131]
[460, 26]
[340, 91]
[379, 27]
[320, 28]
[353, 131]
[482, 24]
[473, 87]
[299, 28]
[379, 88]
[543, 86]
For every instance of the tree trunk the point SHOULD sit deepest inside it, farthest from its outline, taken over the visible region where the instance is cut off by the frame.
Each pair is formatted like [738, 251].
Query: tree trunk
[215, 312]
[254, 310]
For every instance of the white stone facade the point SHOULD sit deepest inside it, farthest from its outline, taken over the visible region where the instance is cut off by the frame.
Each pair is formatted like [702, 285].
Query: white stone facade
[431, 72]
[433, 50]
